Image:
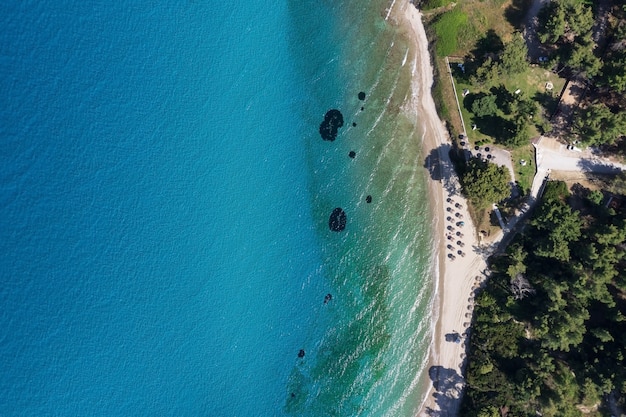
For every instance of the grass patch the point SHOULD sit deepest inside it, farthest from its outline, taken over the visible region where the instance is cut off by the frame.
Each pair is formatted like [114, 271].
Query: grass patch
[500, 16]
[456, 32]
[481, 17]
[434, 4]
[440, 103]
[447, 31]
[524, 174]
[531, 84]
[447, 98]
[485, 221]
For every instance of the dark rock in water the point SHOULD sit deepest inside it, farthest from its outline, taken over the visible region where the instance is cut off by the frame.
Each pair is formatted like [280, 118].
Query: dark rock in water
[333, 120]
[362, 108]
[301, 353]
[368, 199]
[352, 154]
[293, 395]
[328, 297]
[361, 96]
[338, 219]
[353, 124]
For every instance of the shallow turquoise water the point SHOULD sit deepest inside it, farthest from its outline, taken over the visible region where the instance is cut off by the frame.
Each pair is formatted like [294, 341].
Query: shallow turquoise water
[164, 216]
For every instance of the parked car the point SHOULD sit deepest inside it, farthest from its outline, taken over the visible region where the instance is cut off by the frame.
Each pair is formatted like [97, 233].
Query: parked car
[573, 148]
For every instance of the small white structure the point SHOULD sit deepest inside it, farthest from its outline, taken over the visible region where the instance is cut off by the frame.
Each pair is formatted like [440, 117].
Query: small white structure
[518, 91]
[465, 92]
[549, 86]
[522, 162]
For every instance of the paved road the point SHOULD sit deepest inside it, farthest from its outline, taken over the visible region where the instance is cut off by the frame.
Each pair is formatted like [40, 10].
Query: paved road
[554, 156]
[496, 155]
[551, 155]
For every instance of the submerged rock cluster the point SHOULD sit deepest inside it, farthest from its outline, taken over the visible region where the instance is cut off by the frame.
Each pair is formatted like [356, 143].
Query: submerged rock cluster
[338, 219]
[333, 120]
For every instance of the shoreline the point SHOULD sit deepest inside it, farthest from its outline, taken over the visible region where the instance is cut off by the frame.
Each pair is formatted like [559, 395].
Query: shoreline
[457, 279]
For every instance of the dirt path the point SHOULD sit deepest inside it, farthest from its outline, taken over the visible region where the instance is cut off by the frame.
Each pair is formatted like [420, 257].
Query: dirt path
[530, 30]
[601, 21]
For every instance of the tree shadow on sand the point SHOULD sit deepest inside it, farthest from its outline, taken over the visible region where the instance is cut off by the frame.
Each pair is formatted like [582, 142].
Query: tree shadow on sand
[484, 250]
[441, 169]
[448, 385]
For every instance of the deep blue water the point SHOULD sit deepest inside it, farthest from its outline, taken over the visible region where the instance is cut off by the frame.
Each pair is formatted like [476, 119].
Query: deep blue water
[163, 212]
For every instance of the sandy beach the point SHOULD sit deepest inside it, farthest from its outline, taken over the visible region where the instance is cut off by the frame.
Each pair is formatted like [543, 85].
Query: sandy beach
[460, 274]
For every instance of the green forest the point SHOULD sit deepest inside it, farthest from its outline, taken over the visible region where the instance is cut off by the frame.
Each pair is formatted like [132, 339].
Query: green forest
[549, 329]
[548, 334]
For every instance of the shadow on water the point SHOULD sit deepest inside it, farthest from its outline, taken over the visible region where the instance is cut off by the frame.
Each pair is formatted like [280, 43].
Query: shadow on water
[440, 168]
[448, 385]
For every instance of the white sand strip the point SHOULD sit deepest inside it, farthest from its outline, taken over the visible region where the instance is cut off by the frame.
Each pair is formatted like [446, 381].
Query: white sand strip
[456, 277]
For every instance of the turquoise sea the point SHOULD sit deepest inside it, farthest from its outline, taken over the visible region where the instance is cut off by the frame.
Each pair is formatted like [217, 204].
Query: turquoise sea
[164, 211]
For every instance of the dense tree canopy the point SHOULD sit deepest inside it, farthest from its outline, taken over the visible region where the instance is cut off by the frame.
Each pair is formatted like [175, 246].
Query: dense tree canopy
[567, 25]
[552, 22]
[561, 346]
[524, 107]
[517, 133]
[615, 72]
[564, 19]
[514, 58]
[487, 74]
[559, 226]
[597, 125]
[485, 106]
[618, 186]
[485, 183]
[583, 59]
